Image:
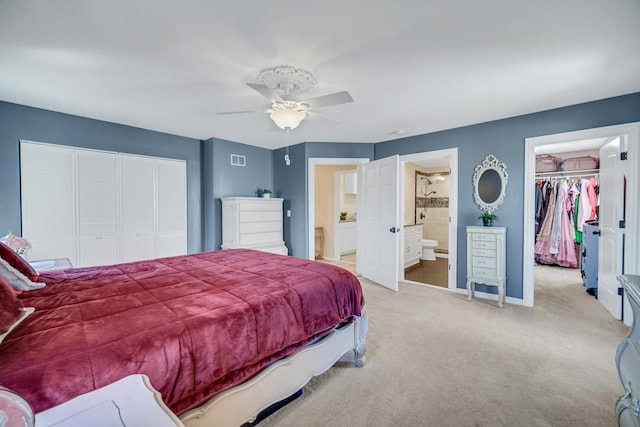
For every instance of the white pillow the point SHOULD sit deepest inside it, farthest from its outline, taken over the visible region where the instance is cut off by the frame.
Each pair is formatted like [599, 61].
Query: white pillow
[17, 280]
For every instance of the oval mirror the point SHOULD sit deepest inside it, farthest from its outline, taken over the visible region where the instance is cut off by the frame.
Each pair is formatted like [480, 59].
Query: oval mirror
[489, 183]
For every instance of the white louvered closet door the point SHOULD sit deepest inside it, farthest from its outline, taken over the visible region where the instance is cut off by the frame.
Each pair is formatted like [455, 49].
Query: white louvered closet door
[97, 207]
[171, 193]
[98, 215]
[48, 201]
[138, 207]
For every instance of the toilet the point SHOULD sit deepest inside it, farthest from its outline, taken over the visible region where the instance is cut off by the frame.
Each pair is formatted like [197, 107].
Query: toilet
[428, 249]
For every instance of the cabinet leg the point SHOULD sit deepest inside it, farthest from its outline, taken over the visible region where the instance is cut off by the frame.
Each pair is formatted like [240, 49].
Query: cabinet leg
[471, 289]
[500, 296]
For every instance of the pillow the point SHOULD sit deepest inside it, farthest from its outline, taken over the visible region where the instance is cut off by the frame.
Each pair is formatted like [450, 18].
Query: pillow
[17, 280]
[12, 312]
[17, 262]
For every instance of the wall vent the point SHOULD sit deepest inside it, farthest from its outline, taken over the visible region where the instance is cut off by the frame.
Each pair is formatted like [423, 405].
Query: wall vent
[238, 160]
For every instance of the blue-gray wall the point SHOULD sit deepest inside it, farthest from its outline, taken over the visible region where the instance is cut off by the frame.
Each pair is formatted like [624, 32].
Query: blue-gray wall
[210, 175]
[291, 183]
[221, 179]
[505, 139]
[21, 122]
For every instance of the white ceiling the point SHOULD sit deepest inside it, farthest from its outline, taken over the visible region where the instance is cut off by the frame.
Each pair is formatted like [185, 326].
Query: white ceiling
[412, 67]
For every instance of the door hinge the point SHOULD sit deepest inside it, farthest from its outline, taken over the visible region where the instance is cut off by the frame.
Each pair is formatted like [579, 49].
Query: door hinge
[622, 224]
[620, 291]
[623, 155]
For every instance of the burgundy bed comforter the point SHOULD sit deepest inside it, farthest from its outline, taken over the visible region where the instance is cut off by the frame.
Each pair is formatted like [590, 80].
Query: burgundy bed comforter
[194, 324]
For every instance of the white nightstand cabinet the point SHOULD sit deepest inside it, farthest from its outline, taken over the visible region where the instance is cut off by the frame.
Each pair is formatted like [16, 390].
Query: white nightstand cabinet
[253, 223]
[486, 259]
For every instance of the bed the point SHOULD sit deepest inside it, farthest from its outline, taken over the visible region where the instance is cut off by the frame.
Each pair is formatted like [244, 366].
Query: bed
[222, 335]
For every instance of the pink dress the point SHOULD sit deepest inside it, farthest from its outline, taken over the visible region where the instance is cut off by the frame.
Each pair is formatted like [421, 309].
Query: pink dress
[566, 256]
[557, 234]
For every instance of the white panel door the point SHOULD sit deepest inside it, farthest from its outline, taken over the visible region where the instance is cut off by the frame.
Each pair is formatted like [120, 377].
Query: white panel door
[171, 211]
[612, 172]
[137, 207]
[48, 201]
[97, 208]
[379, 216]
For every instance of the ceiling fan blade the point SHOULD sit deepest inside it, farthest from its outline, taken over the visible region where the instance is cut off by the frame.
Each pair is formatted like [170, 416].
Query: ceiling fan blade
[242, 112]
[266, 91]
[331, 99]
[322, 119]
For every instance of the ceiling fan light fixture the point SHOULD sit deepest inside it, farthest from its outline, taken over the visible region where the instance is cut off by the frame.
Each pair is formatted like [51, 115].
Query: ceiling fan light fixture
[287, 119]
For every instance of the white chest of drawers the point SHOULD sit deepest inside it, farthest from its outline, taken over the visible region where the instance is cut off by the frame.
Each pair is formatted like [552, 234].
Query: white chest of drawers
[412, 244]
[486, 259]
[253, 223]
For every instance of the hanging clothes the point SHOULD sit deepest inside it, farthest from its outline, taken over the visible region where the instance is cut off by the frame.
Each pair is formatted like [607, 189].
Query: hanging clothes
[566, 255]
[570, 205]
[587, 209]
[542, 253]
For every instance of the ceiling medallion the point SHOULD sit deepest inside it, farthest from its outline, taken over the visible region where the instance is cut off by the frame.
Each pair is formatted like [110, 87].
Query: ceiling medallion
[287, 80]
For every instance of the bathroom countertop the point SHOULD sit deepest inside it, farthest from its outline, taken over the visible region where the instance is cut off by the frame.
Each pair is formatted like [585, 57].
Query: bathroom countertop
[347, 220]
[411, 225]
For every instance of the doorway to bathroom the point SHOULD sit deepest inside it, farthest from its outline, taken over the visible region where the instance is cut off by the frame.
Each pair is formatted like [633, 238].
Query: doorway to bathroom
[429, 210]
[431, 223]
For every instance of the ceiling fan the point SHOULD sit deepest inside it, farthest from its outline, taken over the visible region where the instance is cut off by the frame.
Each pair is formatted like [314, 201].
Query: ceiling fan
[279, 84]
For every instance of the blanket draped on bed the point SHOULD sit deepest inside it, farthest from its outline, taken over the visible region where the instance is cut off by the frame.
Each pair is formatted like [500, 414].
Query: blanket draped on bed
[195, 324]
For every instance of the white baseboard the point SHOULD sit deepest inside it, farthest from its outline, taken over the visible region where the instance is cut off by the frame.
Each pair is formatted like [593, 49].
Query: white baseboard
[494, 297]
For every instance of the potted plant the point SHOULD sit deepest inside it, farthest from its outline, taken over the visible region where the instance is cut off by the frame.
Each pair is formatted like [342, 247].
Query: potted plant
[487, 218]
[266, 193]
[343, 216]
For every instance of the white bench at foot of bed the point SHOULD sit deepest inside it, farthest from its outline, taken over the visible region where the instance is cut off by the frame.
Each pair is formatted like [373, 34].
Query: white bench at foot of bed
[281, 379]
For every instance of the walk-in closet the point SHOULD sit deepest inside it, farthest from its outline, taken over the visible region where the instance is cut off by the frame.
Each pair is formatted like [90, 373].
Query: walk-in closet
[566, 213]
[574, 193]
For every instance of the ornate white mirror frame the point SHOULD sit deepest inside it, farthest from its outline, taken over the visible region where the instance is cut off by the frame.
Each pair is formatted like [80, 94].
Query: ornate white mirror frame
[489, 183]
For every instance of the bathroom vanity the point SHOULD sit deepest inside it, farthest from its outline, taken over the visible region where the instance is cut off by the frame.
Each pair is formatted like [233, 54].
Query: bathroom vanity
[412, 244]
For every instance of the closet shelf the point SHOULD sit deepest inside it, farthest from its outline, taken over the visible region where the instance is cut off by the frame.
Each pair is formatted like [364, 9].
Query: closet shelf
[572, 173]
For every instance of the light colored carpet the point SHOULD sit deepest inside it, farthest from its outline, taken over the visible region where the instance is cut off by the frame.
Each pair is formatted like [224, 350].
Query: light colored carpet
[435, 359]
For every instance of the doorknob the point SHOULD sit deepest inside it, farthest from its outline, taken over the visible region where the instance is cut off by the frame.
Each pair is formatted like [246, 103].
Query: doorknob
[393, 230]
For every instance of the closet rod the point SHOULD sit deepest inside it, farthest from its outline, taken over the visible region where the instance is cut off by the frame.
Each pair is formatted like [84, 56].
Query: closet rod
[540, 178]
[561, 174]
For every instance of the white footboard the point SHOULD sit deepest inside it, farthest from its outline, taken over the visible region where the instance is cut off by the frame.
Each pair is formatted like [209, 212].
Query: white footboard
[244, 402]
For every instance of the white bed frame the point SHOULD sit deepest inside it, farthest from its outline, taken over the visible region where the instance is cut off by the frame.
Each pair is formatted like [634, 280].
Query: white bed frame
[281, 379]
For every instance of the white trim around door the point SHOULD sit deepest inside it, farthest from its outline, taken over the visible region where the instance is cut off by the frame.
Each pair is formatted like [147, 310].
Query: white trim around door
[452, 155]
[632, 240]
[311, 179]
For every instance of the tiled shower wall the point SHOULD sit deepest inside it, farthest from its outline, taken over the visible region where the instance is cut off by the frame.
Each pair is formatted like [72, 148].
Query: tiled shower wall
[436, 220]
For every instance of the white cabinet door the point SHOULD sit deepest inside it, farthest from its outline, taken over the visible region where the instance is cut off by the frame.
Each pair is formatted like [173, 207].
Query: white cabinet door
[171, 208]
[98, 217]
[347, 237]
[138, 207]
[351, 183]
[48, 201]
